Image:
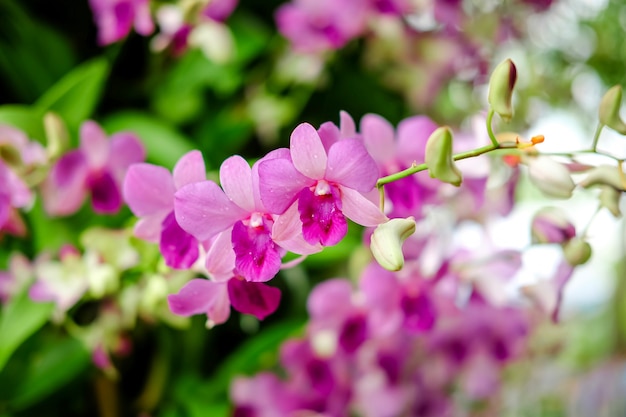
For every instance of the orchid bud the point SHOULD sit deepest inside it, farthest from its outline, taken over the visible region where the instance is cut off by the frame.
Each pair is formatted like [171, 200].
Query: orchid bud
[604, 175]
[438, 157]
[387, 240]
[609, 198]
[501, 86]
[577, 251]
[550, 177]
[550, 225]
[609, 110]
[56, 134]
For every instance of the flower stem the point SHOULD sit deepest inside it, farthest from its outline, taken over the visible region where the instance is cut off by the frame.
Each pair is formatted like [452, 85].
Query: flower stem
[492, 136]
[596, 137]
[462, 155]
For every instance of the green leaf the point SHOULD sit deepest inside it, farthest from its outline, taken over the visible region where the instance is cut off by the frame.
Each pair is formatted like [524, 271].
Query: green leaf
[165, 145]
[19, 319]
[75, 96]
[28, 119]
[56, 362]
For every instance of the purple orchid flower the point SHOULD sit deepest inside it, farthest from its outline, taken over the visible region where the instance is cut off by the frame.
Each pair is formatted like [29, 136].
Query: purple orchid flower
[315, 26]
[149, 192]
[14, 194]
[97, 167]
[328, 184]
[240, 223]
[396, 151]
[213, 298]
[115, 19]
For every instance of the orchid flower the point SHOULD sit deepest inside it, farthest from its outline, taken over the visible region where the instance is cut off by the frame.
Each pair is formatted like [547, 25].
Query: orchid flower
[97, 167]
[328, 185]
[149, 192]
[115, 18]
[239, 221]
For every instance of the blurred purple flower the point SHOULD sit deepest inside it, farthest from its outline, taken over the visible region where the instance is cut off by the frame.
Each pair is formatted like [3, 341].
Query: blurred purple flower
[115, 19]
[97, 167]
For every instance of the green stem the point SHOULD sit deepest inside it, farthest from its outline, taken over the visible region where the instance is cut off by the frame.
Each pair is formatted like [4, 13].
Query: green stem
[492, 136]
[422, 167]
[596, 137]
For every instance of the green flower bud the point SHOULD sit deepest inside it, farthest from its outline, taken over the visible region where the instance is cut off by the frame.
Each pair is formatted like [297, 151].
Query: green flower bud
[608, 112]
[609, 198]
[387, 240]
[501, 86]
[550, 177]
[57, 137]
[604, 175]
[439, 157]
[577, 251]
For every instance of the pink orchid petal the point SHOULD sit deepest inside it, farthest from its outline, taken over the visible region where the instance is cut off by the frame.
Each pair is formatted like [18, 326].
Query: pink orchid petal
[287, 233]
[236, 180]
[148, 189]
[179, 249]
[379, 137]
[350, 165]
[280, 184]
[198, 296]
[307, 151]
[347, 126]
[143, 20]
[189, 168]
[359, 209]
[330, 300]
[126, 149]
[280, 153]
[106, 196]
[65, 188]
[94, 144]
[220, 258]
[329, 134]
[254, 298]
[413, 133]
[203, 210]
[149, 227]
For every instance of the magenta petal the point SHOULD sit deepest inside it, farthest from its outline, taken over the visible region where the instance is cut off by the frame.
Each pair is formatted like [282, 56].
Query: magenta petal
[419, 312]
[254, 298]
[126, 149]
[321, 216]
[189, 168]
[203, 209]
[280, 183]
[350, 165]
[65, 188]
[197, 297]
[236, 180]
[220, 258]
[330, 300]
[106, 197]
[94, 144]
[346, 125]
[378, 136]
[148, 189]
[353, 333]
[178, 247]
[360, 209]
[257, 256]
[413, 133]
[307, 152]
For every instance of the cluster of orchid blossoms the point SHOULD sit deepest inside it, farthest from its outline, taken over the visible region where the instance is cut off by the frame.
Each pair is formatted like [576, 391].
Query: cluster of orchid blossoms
[392, 29]
[429, 316]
